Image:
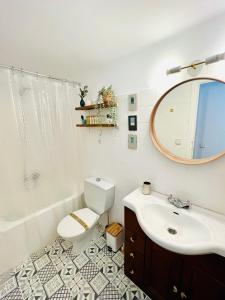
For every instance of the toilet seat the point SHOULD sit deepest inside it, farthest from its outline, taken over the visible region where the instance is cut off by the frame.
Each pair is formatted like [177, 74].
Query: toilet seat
[70, 228]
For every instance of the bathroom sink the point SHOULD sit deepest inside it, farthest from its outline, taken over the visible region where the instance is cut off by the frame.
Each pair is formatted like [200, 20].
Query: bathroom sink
[186, 231]
[172, 226]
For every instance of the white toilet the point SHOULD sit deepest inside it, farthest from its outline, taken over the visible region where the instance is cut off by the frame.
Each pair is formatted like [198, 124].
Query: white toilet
[79, 226]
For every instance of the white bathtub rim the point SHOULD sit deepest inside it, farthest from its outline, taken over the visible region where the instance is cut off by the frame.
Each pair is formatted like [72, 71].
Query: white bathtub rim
[7, 225]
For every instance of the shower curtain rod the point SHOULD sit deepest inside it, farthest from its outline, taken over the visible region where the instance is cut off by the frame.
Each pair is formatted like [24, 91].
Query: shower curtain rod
[38, 74]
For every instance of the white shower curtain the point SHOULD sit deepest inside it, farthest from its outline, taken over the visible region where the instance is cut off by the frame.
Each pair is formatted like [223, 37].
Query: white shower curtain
[38, 154]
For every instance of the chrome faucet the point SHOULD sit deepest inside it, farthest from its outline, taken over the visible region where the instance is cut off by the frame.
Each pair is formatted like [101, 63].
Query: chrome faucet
[178, 202]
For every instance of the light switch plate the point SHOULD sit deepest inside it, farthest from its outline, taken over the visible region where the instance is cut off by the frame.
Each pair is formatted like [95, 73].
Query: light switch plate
[132, 102]
[132, 141]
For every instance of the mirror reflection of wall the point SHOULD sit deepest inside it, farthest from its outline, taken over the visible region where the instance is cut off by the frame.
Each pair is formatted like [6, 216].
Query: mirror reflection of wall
[210, 121]
[190, 120]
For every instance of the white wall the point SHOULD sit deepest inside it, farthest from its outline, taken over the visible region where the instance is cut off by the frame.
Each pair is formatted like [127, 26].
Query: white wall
[145, 72]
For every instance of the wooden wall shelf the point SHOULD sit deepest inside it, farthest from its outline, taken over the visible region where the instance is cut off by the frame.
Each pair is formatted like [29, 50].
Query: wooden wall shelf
[94, 106]
[96, 125]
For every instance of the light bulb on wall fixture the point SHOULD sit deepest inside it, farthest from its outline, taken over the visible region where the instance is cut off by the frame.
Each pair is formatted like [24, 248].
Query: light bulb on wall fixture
[194, 65]
[214, 58]
[173, 70]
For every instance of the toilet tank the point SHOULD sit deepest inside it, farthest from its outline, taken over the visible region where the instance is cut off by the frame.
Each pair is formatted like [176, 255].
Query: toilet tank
[99, 194]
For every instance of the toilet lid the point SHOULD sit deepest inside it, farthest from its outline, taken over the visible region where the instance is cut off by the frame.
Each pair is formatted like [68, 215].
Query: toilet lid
[69, 227]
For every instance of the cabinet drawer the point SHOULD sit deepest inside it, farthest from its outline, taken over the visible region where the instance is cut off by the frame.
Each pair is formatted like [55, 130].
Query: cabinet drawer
[132, 255]
[135, 273]
[134, 264]
[135, 240]
[131, 223]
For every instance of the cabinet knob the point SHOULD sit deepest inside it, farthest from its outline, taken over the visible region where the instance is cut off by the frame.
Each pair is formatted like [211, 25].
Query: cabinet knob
[175, 290]
[132, 239]
[132, 272]
[132, 255]
[183, 295]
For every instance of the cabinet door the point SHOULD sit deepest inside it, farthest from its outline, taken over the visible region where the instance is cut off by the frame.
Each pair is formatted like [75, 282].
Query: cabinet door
[205, 287]
[162, 272]
[199, 284]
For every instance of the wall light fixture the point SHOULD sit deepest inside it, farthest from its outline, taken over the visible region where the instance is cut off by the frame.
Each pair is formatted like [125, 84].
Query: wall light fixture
[207, 61]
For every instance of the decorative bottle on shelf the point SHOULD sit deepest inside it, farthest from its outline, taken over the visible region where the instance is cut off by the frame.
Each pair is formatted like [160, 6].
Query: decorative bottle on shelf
[82, 120]
[82, 102]
[83, 93]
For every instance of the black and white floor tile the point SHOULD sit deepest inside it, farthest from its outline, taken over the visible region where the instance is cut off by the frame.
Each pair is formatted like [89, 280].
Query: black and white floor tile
[56, 273]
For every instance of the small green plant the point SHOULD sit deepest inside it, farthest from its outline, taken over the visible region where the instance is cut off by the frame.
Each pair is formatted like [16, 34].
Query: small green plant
[107, 99]
[106, 95]
[83, 92]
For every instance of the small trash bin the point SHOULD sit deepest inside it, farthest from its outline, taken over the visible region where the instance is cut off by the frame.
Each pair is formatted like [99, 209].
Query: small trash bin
[114, 236]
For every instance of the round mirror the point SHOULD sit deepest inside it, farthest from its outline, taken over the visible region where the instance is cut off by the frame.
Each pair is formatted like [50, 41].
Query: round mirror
[188, 122]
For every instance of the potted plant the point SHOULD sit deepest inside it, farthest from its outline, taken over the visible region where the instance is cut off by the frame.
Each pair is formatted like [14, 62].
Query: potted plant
[106, 95]
[107, 99]
[83, 94]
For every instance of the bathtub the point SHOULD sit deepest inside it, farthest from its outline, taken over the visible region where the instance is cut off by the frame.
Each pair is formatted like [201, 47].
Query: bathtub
[20, 238]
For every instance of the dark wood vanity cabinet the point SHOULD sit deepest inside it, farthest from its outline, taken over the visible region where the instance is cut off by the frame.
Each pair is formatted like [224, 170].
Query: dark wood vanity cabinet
[134, 249]
[165, 275]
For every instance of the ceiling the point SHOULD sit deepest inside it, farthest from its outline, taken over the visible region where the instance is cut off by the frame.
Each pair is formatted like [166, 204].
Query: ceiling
[86, 33]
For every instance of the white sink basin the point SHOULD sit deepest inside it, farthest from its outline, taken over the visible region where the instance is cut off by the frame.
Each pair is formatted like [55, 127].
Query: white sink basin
[172, 226]
[186, 231]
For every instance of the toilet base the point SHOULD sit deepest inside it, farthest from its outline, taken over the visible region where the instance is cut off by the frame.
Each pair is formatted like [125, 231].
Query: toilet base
[82, 243]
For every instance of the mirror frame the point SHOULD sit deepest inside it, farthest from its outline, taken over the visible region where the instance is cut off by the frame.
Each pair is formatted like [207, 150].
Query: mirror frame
[164, 150]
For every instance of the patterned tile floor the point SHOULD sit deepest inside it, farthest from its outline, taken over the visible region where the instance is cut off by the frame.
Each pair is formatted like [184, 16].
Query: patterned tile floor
[55, 273]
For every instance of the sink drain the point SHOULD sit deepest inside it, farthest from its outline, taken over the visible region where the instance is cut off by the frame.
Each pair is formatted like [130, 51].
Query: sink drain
[171, 230]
